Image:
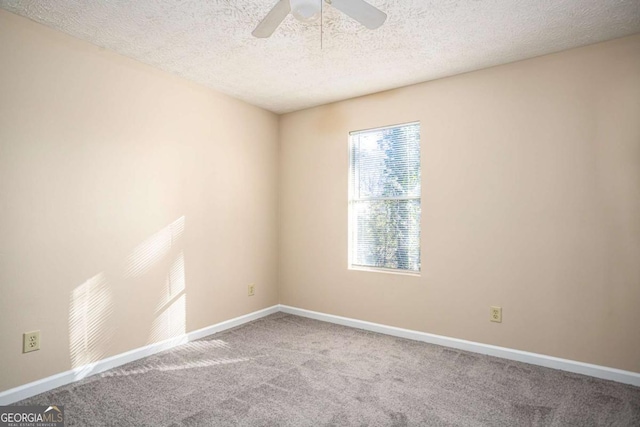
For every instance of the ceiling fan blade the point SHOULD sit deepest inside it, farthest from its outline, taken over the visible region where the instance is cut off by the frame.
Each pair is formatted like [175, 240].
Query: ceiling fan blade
[268, 25]
[369, 16]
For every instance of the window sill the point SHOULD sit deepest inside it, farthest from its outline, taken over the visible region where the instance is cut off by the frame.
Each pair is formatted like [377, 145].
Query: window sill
[385, 270]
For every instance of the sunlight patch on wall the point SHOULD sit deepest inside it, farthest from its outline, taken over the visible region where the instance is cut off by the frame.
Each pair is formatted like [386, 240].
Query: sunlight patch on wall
[171, 322]
[171, 312]
[90, 330]
[91, 308]
[175, 283]
[153, 249]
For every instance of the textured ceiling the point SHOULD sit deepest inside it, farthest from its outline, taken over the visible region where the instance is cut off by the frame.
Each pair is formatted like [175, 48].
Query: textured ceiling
[210, 42]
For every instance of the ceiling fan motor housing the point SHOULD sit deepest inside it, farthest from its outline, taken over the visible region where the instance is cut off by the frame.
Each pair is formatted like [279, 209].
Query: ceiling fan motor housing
[306, 10]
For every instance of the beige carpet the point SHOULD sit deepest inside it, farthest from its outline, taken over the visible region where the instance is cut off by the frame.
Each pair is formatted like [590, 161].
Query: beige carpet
[285, 370]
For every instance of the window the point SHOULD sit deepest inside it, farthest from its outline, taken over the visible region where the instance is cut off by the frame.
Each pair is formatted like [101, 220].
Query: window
[384, 198]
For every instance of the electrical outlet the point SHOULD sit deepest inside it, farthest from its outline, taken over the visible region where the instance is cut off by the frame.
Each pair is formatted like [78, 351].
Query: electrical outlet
[495, 314]
[30, 341]
[252, 289]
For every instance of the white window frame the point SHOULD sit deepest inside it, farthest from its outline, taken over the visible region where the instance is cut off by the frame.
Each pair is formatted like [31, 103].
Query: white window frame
[352, 199]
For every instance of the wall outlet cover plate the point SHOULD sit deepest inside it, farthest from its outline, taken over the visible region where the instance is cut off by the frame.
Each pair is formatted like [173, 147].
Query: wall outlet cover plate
[30, 341]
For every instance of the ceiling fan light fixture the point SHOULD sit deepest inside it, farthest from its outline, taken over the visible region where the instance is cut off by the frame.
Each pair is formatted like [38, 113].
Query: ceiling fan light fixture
[306, 10]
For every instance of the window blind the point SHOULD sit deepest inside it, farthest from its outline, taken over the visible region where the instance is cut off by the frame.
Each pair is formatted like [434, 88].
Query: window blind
[384, 198]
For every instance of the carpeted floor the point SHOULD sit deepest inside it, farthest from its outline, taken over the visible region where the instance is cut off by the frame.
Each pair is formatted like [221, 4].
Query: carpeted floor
[285, 370]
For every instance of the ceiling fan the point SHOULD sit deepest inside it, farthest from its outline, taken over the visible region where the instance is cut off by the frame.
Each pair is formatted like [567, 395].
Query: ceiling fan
[310, 10]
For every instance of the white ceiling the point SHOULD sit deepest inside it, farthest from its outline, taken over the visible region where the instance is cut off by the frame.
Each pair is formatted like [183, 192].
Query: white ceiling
[210, 42]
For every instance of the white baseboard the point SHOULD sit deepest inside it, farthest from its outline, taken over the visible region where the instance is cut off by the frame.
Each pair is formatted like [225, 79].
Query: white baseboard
[232, 323]
[618, 375]
[40, 386]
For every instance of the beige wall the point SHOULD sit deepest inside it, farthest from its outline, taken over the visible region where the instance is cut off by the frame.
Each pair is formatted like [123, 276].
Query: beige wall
[134, 205]
[531, 201]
